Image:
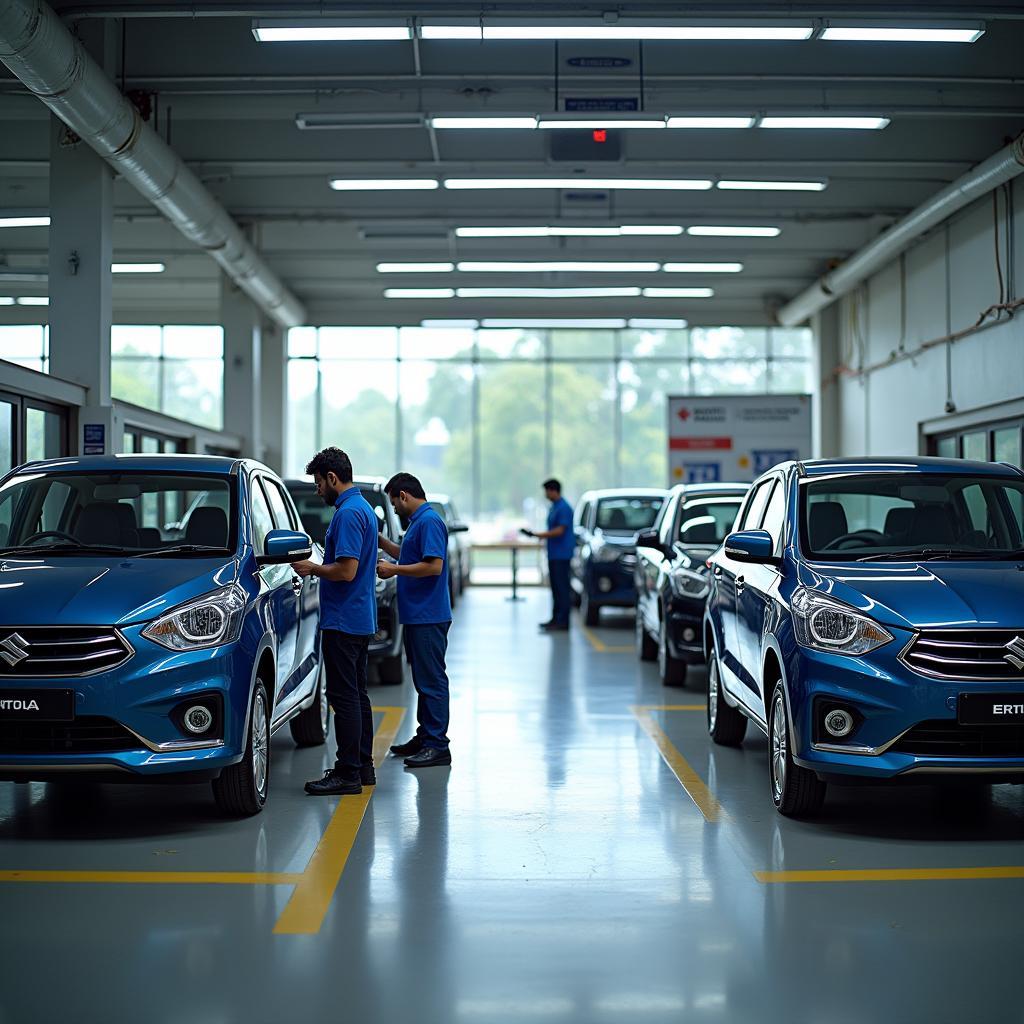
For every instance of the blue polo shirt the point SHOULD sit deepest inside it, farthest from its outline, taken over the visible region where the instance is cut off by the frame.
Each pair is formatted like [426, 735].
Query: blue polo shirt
[351, 607]
[561, 549]
[424, 601]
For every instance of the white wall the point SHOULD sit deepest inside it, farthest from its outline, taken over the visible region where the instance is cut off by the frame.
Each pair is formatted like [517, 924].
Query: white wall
[946, 280]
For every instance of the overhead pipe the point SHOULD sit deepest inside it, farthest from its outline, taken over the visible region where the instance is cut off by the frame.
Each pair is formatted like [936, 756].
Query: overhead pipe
[52, 64]
[993, 172]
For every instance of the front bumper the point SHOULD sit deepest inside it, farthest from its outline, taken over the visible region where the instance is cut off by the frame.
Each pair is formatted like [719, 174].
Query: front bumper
[685, 630]
[610, 584]
[139, 697]
[893, 705]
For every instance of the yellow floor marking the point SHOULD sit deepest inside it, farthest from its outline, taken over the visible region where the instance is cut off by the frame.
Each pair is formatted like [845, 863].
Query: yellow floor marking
[156, 877]
[305, 911]
[694, 785]
[889, 875]
[600, 646]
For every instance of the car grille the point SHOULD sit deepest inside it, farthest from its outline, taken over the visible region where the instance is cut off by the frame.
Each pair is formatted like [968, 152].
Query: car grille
[968, 654]
[948, 738]
[82, 736]
[56, 651]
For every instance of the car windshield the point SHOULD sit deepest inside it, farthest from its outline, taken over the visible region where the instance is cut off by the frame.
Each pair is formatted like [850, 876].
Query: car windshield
[871, 517]
[705, 522]
[122, 512]
[627, 514]
[315, 516]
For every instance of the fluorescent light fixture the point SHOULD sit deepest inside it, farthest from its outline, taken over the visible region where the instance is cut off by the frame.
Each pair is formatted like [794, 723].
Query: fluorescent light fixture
[557, 231]
[324, 121]
[774, 186]
[415, 268]
[555, 266]
[274, 31]
[24, 222]
[710, 122]
[678, 293]
[6, 300]
[34, 300]
[137, 268]
[555, 323]
[656, 323]
[507, 184]
[464, 30]
[419, 293]
[595, 122]
[651, 229]
[498, 121]
[384, 184]
[728, 231]
[957, 32]
[857, 123]
[497, 28]
[548, 293]
[702, 268]
[461, 324]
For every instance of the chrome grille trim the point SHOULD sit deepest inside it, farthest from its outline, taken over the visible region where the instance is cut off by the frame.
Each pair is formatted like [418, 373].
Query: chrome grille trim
[76, 641]
[926, 654]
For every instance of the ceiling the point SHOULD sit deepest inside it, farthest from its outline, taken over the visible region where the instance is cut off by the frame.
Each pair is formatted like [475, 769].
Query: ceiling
[228, 105]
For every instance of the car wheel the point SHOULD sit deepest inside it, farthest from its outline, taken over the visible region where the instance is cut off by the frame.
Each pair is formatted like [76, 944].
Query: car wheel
[309, 727]
[796, 792]
[672, 670]
[646, 646]
[591, 612]
[726, 725]
[241, 789]
[391, 671]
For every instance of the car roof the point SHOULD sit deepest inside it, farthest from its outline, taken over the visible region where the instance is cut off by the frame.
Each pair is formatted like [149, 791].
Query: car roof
[300, 483]
[179, 462]
[441, 499]
[623, 492]
[723, 489]
[905, 463]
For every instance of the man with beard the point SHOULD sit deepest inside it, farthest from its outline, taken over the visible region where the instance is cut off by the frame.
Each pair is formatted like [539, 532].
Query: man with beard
[348, 620]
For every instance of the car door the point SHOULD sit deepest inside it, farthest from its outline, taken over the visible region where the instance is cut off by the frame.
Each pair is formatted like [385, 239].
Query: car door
[754, 597]
[729, 581]
[582, 534]
[280, 593]
[654, 566]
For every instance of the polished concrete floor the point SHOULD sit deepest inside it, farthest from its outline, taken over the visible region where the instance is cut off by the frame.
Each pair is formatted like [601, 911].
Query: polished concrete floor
[559, 871]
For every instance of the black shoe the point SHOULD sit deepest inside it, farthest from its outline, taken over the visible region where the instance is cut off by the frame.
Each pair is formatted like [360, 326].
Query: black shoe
[429, 757]
[555, 627]
[334, 784]
[546, 625]
[367, 776]
[413, 746]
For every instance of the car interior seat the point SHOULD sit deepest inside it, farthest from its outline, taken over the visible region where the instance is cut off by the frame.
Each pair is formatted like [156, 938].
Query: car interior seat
[932, 525]
[208, 526]
[897, 524]
[98, 524]
[826, 522]
[616, 520]
[127, 524]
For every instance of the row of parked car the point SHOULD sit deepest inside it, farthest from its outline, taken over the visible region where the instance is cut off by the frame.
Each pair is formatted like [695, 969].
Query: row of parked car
[866, 615]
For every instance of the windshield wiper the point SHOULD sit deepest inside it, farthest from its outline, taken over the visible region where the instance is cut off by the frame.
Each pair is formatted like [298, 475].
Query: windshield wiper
[183, 549]
[922, 555]
[46, 549]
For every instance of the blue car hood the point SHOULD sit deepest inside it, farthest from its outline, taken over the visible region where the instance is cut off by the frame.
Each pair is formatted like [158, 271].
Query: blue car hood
[96, 591]
[932, 594]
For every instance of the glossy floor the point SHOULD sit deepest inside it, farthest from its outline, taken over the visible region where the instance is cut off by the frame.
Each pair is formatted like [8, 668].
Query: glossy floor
[558, 872]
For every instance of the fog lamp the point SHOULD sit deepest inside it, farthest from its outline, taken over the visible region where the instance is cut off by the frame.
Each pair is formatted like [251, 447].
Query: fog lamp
[689, 635]
[839, 723]
[604, 584]
[198, 719]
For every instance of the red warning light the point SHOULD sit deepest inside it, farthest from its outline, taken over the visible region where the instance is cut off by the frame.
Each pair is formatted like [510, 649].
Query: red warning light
[600, 134]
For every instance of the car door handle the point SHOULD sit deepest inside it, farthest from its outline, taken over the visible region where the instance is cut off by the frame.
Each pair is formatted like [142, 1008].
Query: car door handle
[739, 584]
[297, 584]
[718, 572]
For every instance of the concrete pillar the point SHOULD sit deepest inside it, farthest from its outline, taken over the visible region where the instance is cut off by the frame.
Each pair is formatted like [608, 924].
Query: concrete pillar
[824, 366]
[273, 365]
[242, 387]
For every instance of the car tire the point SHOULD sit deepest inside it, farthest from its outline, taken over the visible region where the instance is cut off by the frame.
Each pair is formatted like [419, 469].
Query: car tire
[646, 645]
[671, 669]
[591, 612]
[241, 789]
[309, 727]
[796, 792]
[726, 725]
[391, 670]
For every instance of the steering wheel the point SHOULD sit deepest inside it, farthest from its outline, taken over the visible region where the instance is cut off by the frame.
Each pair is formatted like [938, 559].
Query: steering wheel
[50, 533]
[849, 540]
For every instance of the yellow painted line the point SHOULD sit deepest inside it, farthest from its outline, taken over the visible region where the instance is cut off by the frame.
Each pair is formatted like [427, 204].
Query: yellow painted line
[694, 785]
[600, 646]
[889, 875]
[156, 877]
[305, 911]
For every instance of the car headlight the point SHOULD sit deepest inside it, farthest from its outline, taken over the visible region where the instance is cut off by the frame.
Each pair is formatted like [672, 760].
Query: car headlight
[824, 624]
[605, 553]
[687, 583]
[207, 621]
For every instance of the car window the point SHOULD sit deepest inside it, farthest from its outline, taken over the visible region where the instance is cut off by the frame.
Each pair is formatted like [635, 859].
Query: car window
[755, 507]
[775, 513]
[314, 515]
[706, 522]
[627, 514]
[54, 505]
[278, 506]
[262, 521]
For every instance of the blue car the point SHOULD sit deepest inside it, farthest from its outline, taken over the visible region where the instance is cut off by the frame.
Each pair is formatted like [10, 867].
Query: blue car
[868, 616]
[151, 626]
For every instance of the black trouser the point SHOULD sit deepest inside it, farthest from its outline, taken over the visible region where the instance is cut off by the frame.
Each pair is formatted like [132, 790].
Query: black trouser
[426, 646]
[345, 657]
[561, 591]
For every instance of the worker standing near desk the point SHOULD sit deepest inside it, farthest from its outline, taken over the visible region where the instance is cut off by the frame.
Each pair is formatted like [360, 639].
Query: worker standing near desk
[561, 545]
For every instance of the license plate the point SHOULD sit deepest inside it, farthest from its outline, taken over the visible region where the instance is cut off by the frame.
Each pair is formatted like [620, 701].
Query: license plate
[991, 708]
[37, 705]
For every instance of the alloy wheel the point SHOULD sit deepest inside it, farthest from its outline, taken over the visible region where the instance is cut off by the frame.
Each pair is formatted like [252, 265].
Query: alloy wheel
[260, 745]
[712, 693]
[779, 745]
[325, 707]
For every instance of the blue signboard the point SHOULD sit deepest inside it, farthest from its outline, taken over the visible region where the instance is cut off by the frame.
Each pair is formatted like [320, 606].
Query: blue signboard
[766, 458]
[703, 472]
[94, 438]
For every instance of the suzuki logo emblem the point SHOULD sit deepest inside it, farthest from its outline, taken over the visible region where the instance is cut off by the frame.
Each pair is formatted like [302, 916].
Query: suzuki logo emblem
[14, 649]
[1016, 655]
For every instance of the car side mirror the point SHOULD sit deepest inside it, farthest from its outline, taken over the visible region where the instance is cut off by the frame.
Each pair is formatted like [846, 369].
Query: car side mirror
[458, 528]
[754, 546]
[648, 539]
[283, 546]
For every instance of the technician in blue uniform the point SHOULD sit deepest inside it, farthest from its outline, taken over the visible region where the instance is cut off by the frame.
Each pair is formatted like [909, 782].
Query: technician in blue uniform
[348, 620]
[561, 547]
[425, 611]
